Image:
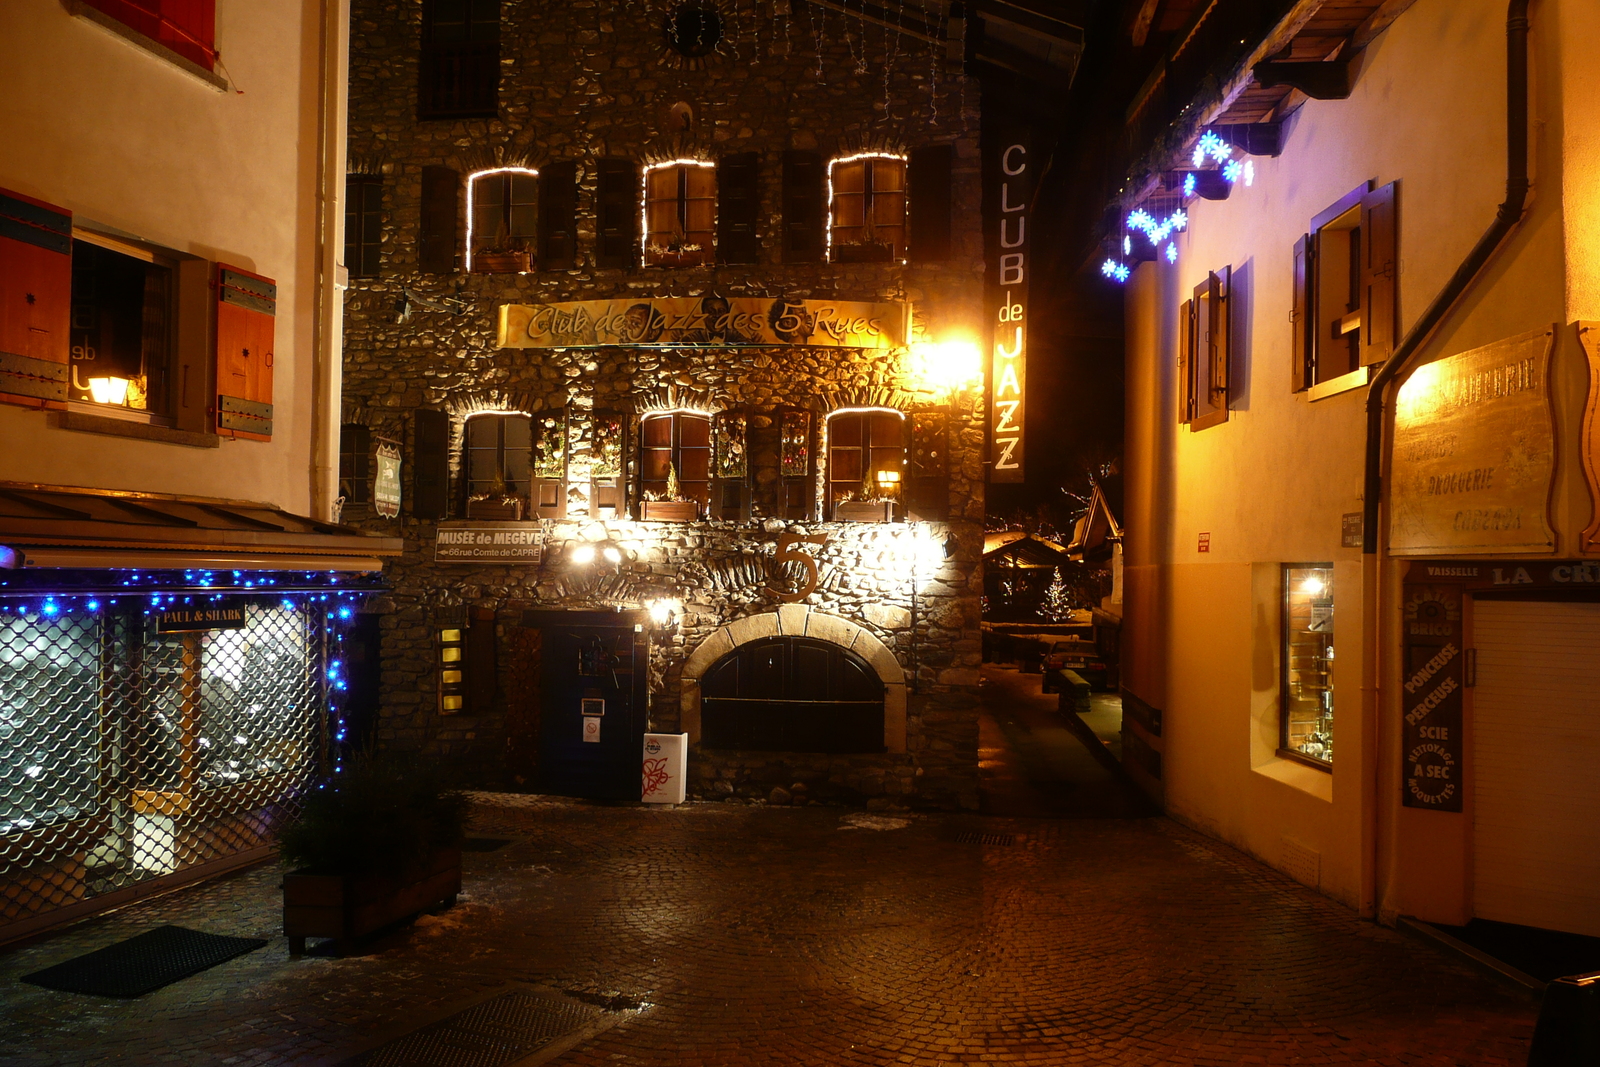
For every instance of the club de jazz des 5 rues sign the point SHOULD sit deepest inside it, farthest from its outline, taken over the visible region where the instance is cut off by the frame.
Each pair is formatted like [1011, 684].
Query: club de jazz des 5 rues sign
[709, 321]
[1008, 363]
[1474, 452]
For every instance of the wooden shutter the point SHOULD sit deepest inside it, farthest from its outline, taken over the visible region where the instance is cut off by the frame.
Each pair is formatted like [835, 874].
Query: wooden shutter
[430, 464]
[1208, 354]
[608, 456]
[558, 216]
[802, 207]
[1300, 318]
[247, 308]
[738, 205]
[479, 661]
[1185, 362]
[730, 485]
[797, 471]
[927, 487]
[616, 214]
[188, 27]
[930, 203]
[35, 301]
[1380, 275]
[441, 213]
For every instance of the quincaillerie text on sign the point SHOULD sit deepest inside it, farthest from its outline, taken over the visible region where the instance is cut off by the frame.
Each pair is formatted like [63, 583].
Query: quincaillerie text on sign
[709, 321]
[488, 542]
[212, 615]
[1008, 365]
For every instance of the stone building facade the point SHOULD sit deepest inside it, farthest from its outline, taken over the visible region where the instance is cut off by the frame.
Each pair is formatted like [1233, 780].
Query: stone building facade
[581, 86]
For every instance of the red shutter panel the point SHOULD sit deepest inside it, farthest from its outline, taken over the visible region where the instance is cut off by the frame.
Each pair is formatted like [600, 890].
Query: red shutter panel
[247, 308]
[187, 27]
[1380, 275]
[35, 301]
[1300, 317]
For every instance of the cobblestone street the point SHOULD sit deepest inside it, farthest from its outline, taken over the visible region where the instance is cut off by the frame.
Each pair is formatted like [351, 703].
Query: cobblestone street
[757, 935]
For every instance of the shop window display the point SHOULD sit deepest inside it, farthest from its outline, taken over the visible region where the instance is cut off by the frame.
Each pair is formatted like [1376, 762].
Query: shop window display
[1306, 730]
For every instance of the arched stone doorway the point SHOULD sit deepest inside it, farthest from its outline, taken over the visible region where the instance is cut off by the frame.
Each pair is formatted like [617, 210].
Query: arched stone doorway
[820, 628]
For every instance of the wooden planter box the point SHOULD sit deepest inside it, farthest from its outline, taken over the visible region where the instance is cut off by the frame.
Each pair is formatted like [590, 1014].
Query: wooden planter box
[669, 510]
[498, 510]
[873, 252]
[346, 907]
[677, 259]
[501, 263]
[864, 511]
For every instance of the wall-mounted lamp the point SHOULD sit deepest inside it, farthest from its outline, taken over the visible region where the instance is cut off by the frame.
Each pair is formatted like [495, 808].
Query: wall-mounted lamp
[946, 366]
[664, 614]
[584, 553]
[109, 390]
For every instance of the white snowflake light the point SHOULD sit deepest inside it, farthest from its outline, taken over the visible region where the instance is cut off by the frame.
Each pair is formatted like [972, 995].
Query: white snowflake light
[1232, 170]
[1190, 183]
[1172, 252]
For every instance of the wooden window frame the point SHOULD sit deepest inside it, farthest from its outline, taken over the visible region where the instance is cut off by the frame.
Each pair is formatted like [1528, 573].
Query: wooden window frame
[522, 244]
[871, 193]
[675, 457]
[866, 448]
[557, 247]
[1345, 311]
[355, 467]
[1205, 352]
[543, 496]
[677, 208]
[1286, 666]
[617, 208]
[363, 225]
[472, 67]
[804, 205]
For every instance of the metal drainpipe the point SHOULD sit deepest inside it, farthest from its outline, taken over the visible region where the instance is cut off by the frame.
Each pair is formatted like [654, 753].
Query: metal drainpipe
[327, 322]
[1505, 220]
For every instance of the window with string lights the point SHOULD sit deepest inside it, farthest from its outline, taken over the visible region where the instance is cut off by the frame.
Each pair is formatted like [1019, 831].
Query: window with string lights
[680, 216]
[502, 217]
[867, 209]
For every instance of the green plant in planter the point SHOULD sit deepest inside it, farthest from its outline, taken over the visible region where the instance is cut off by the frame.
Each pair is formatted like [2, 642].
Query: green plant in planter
[379, 816]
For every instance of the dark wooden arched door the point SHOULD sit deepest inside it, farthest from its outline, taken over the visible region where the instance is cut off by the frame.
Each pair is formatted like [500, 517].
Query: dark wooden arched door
[792, 694]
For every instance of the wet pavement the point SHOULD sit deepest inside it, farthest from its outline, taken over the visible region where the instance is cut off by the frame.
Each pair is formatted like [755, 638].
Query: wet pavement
[812, 935]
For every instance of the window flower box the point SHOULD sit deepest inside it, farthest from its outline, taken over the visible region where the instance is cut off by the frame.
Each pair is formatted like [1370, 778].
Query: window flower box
[346, 907]
[863, 252]
[864, 511]
[508, 262]
[495, 509]
[693, 256]
[669, 510]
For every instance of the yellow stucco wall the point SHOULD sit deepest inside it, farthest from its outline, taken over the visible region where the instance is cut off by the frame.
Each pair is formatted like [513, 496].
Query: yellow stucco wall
[1270, 485]
[118, 136]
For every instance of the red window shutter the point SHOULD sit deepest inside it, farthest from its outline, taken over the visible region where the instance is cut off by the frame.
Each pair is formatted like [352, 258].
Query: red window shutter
[247, 306]
[188, 27]
[35, 301]
[1380, 275]
[1300, 316]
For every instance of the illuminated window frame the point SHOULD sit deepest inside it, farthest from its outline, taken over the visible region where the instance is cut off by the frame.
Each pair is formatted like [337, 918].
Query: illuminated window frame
[828, 480]
[675, 451]
[472, 182]
[905, 193]
[644, 204]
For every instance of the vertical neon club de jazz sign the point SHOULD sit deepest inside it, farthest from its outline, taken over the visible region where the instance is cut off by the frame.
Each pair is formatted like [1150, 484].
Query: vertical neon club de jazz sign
[1008, 370]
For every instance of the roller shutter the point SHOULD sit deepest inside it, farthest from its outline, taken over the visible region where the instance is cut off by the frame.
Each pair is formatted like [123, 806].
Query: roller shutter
[1536, 765]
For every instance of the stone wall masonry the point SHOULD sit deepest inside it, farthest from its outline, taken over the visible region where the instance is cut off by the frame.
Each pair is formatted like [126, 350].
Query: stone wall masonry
[581, 80]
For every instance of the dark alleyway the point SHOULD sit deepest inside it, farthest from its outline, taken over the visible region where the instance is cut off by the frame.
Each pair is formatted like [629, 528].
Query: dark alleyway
[759, 935]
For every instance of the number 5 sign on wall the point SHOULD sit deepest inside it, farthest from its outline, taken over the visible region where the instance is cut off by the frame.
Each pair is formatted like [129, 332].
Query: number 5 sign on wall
[789, 553]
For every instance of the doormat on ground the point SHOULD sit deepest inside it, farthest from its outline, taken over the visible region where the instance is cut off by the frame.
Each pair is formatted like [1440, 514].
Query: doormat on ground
[144, 963]
[520, 1026]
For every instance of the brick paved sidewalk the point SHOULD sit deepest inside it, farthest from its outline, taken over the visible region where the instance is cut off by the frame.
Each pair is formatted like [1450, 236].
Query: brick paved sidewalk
[791, 936]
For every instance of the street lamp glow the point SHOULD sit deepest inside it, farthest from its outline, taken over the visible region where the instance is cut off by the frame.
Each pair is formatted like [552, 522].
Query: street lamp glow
[582, 554]
[946, 366]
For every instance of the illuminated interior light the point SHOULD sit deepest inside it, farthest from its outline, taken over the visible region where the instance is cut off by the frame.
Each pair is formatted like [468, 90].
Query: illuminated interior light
[109, 390]
[849, 159]
[472, 183]
[612, 554]
[1313, 585]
